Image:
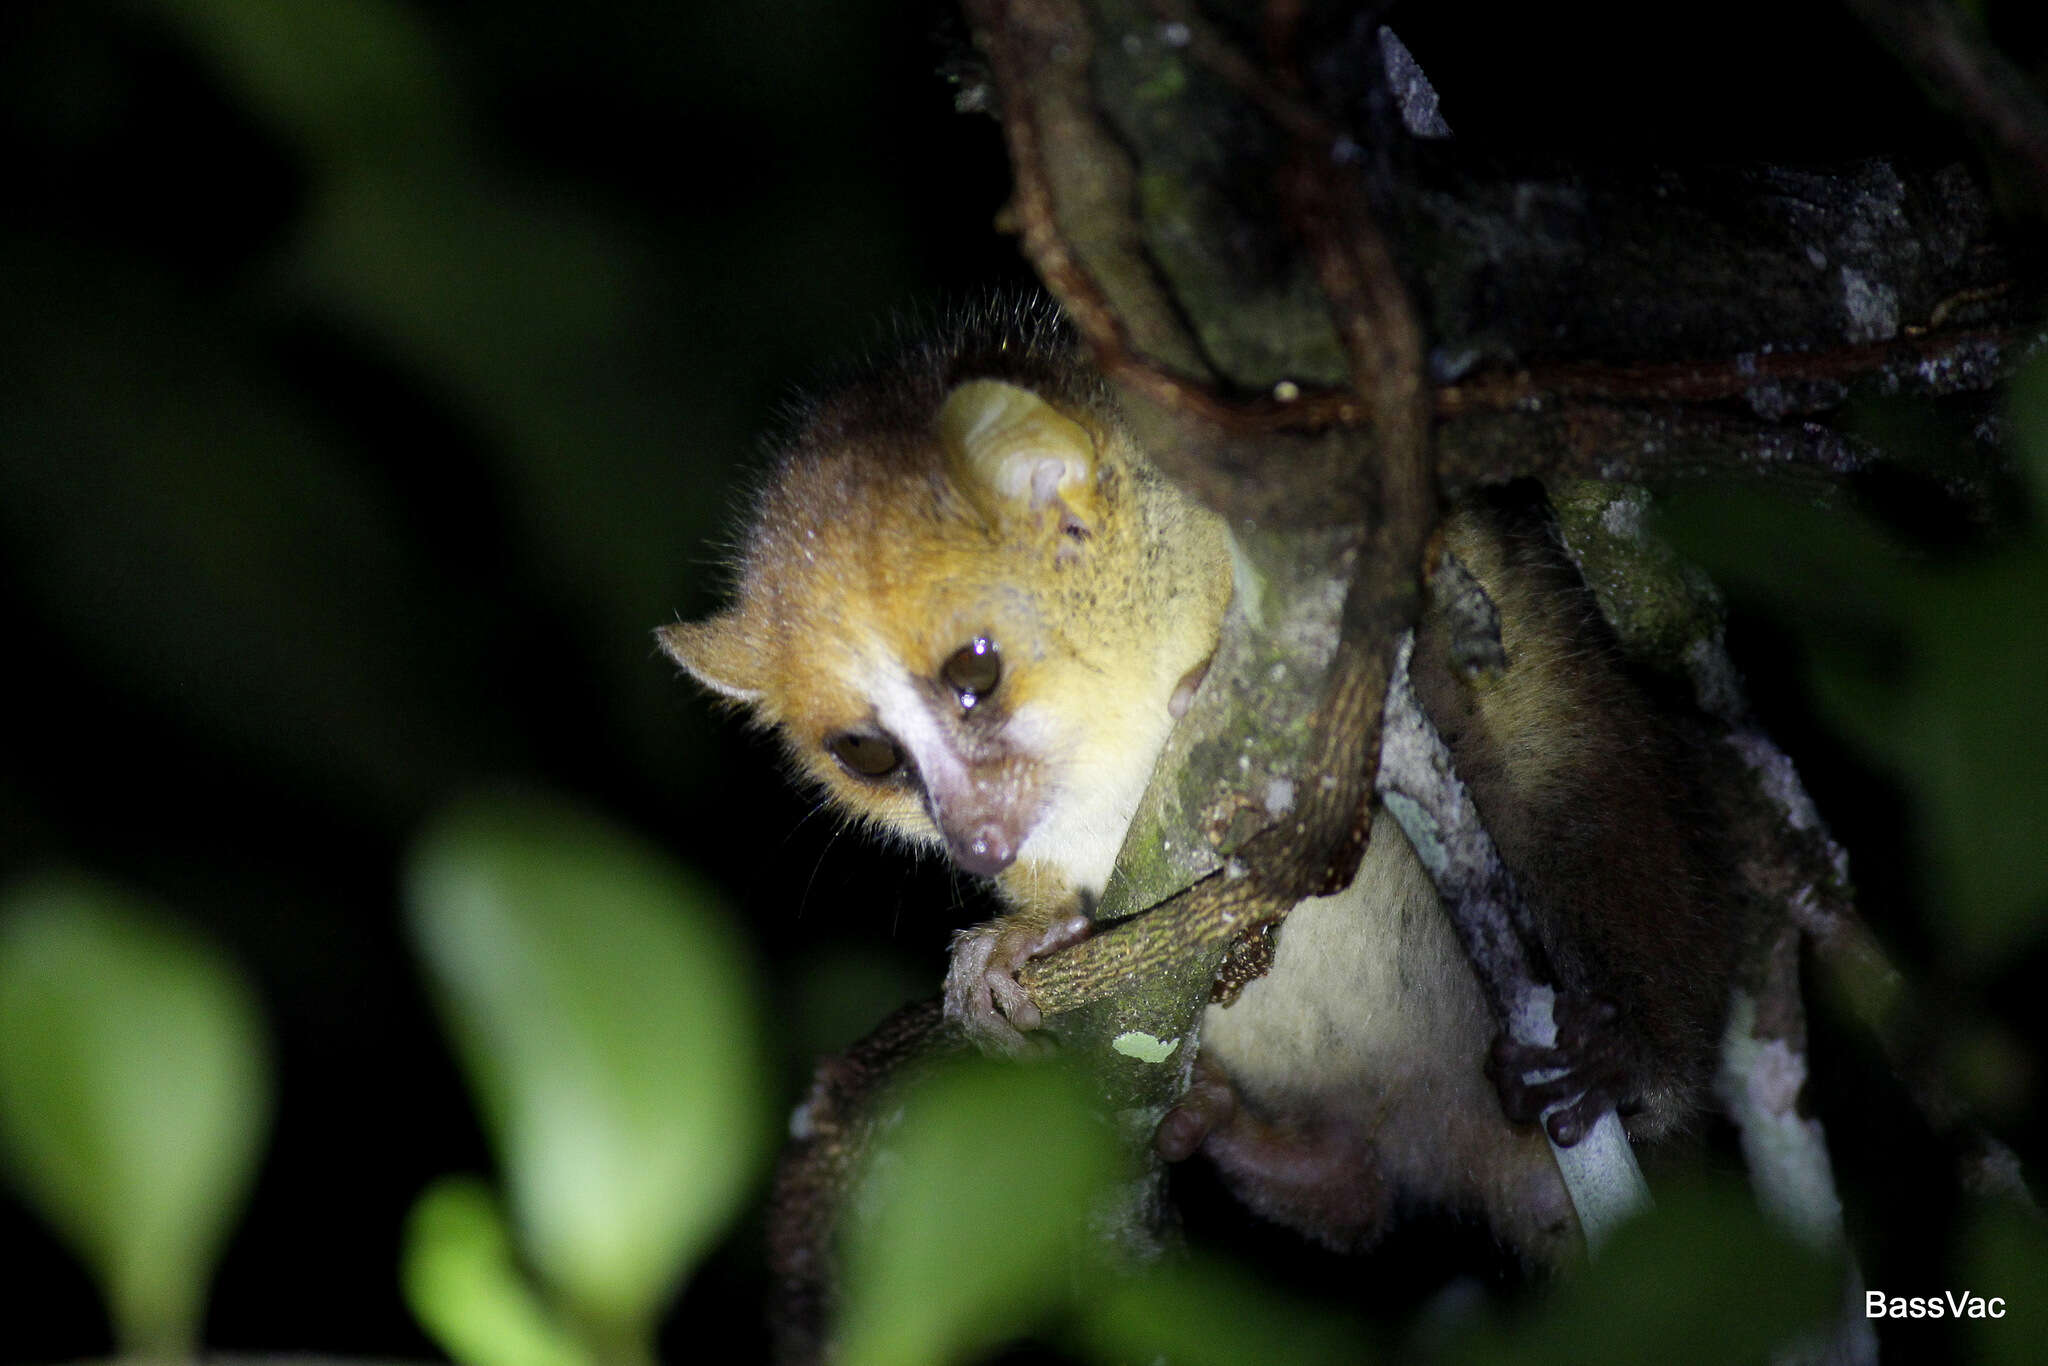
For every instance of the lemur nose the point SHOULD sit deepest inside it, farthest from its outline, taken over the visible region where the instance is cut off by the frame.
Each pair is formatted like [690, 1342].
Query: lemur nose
[985, 851]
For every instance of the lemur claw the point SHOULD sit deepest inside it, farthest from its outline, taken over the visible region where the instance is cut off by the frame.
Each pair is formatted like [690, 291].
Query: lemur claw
[1576, 1080]
[983, 995]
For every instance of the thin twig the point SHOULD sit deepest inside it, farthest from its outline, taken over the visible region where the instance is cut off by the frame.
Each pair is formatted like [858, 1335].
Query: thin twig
[1930, 362]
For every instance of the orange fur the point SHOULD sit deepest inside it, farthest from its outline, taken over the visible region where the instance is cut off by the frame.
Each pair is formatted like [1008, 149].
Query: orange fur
[986, 491]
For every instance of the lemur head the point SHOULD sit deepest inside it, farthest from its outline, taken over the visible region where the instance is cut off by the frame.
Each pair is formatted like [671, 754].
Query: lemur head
[966, 611]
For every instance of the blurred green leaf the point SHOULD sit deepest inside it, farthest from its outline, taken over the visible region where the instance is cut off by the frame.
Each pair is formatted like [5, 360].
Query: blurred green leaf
[612, 383]
[2026, 407]
[971, 1226]
[462, 1282]
[514, 305]
[606, 1017]
[2005, 1257]
[134, 1096]
[1965, 728]
[344, 78]
[1208, 1314]
[204, 540]
[1703, 1278]
[1934, 671]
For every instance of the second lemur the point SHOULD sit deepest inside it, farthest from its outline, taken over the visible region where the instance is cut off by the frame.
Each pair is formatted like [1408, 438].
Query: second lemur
[973, 609]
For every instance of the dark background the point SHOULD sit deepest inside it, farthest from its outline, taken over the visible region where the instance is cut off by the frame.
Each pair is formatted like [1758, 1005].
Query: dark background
[373, 383]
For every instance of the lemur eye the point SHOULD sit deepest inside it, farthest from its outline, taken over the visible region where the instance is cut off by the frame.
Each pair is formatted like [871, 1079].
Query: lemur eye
[973, 670]
[865, 755]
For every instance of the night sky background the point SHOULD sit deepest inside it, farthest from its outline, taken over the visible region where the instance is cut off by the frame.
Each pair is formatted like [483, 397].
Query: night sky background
[369, 393]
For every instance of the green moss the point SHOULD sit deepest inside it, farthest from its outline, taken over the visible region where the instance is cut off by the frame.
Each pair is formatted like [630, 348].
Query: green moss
[1660, 605]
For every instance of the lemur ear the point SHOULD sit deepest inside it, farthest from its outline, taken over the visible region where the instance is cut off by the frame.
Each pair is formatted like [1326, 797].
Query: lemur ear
[1017, 454]
[718, 652]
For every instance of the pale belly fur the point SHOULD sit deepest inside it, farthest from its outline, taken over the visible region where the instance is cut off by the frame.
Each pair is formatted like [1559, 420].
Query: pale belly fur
[1362, 1053]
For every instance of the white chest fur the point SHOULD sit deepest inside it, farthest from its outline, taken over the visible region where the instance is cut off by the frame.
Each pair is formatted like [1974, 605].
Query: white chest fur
[1366, 1043]
[1367, 986]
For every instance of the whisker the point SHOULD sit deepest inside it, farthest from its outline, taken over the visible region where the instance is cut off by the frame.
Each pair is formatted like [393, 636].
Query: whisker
[803, 902]
[804, 819]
